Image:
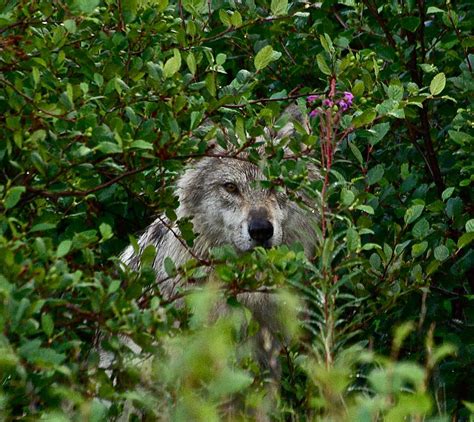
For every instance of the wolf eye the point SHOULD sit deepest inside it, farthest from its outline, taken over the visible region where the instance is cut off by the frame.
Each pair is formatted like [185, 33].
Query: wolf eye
[231, 187]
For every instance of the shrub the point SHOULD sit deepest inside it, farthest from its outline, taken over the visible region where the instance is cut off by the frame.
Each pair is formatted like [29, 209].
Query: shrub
[103, 103]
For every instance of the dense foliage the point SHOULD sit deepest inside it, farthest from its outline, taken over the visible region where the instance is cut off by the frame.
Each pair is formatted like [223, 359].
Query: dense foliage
[101, 106]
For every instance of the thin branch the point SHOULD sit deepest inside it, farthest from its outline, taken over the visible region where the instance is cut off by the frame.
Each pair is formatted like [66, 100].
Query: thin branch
[89, 191]
[32, 102]
[268, 100]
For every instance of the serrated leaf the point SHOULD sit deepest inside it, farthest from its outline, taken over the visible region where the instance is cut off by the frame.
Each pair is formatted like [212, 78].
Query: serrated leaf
[441, 253]
[263, 57]
[437, 84]
[13, 196]
[375, 174]
[323, 67]
[412, 213]
[63, 248]
[395, 92]
[279, 7]
[173, 64]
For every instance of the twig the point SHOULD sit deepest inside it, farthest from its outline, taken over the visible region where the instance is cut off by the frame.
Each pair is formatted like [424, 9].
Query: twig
[89, 191]
[32, 102]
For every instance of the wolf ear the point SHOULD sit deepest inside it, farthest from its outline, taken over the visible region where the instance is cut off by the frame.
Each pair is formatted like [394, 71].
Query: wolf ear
[294, 114]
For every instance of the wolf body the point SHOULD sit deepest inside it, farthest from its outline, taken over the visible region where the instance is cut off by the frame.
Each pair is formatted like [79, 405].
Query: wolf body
[222, 196]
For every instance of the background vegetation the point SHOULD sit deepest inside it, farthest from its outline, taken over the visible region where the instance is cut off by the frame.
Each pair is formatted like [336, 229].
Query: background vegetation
[101, 103]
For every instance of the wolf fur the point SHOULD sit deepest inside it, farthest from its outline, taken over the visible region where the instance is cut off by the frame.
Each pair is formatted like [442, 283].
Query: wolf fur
[222, 196]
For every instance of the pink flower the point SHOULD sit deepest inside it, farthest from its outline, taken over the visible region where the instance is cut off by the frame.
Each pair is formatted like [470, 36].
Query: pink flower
[343, 105]
[348, 98]
[312, 98]
[328, 103]
[314, 113]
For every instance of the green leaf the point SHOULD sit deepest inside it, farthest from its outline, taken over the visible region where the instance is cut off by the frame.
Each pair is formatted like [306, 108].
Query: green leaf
[106, 231]
[454, 207]
[401, 333]
[366, 208]
[86, 6]
[356, 152]
[114, 286]
[41, 356]
[47, 324]
[395, 92]
[141, 144]
[173, 64]
[63, 248]
[437, 84]
[42, 227]
[191, 62]
[441, 253]
[364, 119]
[264, 57]
[410, 23]
[323, 67]
[236, 19]
[412, 213]
[470, 225]
[221, 58]
[375, 174]
[347, 197]
[418, 249]
[421, 229]
[352, 239]
[378, 132]
[434, 9]
[447, 193]
[279, 7]
[170, 267]
[13, 196]
[459, 137]
[465, 240]
[225, 18]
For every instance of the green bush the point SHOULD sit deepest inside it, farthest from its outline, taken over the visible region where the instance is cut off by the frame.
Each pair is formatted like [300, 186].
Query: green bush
[102, 104]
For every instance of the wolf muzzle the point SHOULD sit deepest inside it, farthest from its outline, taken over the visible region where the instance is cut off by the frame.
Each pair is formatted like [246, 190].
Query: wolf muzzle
[261, 230]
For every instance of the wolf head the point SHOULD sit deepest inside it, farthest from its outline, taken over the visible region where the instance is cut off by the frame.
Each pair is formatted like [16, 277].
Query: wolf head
[228, 205]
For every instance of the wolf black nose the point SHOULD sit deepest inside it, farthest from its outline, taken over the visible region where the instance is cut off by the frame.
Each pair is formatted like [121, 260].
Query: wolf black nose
[260, 229]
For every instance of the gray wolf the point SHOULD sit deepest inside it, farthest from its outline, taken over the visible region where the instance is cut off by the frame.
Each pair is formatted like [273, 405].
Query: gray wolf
[222, 196]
